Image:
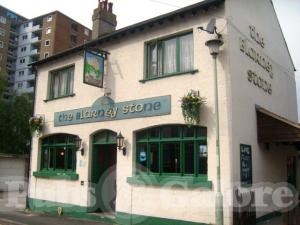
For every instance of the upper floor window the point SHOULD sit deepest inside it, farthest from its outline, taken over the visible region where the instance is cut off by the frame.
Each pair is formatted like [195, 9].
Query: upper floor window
[24, 37]
[170, 56]
[22, 61]
[86, 32]
[61, 83]
[172, 150]
[23, 49]
[74, 27]
[2, 32]
[48, 30]
[47, 42]
[46, 55]
[2, 20]
[21, 73]
[49, 18]
[26, 25]
[73, 39]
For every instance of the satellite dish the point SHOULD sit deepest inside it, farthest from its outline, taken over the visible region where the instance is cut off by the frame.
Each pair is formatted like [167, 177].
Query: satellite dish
[211, 26]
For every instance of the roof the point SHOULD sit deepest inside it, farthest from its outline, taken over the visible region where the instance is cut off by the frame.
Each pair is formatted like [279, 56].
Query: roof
[132, 28]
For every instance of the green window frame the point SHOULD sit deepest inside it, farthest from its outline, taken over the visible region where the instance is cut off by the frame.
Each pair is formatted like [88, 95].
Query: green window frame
[172, 150]
[60, 83]
[170, 56]
[58, 153]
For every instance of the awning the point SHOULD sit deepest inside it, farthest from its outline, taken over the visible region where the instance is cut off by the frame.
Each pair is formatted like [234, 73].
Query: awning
[274, 128]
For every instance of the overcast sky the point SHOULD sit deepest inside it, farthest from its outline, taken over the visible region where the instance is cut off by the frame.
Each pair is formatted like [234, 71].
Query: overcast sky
[131, 11]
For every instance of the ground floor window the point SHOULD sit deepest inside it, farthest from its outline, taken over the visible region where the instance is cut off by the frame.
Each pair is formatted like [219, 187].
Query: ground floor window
[172, 150]
[58, 153]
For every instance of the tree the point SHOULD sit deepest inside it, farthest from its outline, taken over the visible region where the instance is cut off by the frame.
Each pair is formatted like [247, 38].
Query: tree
[14, 129]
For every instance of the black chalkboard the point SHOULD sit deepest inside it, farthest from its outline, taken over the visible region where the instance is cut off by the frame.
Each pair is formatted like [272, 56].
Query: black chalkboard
[246, 165]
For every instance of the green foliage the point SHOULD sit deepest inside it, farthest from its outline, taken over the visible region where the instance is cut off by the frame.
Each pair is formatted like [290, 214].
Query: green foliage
[14, 133]
[190, 105]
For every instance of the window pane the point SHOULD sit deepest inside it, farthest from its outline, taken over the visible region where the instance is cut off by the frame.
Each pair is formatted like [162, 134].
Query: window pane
[141, 135]
[201, 132]
[70, 158]
[152, 67]
[60, 139]
[188, 131]
[45, 158]
[142, 157]
[63, 83]
[154, 158]
[51, 158]
[189, 158]
[60, 158]
[112, 137]
[170, 56]
[56, 86]
[170, 132]
[154, 133]
[171, 158]
[202, 159]
[186, 52]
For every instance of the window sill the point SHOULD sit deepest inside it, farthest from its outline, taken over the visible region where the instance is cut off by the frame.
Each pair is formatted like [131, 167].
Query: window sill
[169, 75]
[56, 175]
[65, 96]
[179, 181]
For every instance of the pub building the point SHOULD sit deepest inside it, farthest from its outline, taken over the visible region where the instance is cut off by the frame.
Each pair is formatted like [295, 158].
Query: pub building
[115, 138]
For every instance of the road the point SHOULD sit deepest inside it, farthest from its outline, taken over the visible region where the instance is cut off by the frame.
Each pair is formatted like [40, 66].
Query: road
[29, 218]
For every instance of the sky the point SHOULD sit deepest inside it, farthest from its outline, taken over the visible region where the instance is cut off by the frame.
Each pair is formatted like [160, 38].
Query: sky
[132, 11]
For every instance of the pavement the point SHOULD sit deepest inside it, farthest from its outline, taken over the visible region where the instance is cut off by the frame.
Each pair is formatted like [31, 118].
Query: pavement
[12, 212]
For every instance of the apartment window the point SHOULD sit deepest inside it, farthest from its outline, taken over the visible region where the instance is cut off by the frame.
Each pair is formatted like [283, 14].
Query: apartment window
[170, 56]
[48, 30]
[74, 26]
[172, 150]
[86, 32]
[73, 39]
[23, 49]
[2, 20]
[58, 153]
[20, 85]
[1, 44]
[46, 55]
[22, 61]
[49, 18]
[21, 73]
[24, 37]
[26, 25]
[2, 32]
[1, 56]
[47, 42]
[61, 83]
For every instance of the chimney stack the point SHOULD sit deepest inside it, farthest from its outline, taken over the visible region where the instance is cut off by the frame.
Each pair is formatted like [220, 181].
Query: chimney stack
[104, 21]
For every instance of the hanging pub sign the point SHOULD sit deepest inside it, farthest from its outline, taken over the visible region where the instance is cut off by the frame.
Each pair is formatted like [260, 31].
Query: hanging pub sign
[93, 69]
[246, 165]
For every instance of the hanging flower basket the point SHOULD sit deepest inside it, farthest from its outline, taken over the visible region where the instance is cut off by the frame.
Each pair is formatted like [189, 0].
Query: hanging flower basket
[36, 124]
[191, 105]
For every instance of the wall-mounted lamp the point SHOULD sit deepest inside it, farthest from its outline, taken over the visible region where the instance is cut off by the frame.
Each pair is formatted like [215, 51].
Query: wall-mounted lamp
[120, 143]
[78, 145]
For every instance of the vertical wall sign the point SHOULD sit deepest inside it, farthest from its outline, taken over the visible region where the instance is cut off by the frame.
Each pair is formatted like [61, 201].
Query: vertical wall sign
[93, 69]
[246, 165]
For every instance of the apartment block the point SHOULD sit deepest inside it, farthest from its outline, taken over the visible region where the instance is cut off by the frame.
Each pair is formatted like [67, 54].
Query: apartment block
[35, 39]
[9, 23]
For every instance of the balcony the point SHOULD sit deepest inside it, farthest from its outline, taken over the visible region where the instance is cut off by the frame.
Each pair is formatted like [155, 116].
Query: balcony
[35, 52]
[30, 76]
[13, 31]
[11, 55]
[36, 28]
[13, 43]
[11, 66]
[35, 40]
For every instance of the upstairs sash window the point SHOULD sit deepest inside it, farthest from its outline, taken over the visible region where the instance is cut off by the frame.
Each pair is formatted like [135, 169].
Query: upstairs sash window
[61, 83]
[170, 56]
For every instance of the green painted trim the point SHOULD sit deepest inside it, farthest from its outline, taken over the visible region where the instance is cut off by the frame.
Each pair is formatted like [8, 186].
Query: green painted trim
[130, 219]
[162, 180]
[65, 96]
[268, 216]
[169, 75]
[68, 210]
[59, 175]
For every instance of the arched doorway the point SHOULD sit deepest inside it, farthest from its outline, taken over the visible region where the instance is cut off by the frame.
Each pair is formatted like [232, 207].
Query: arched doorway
[103, 176]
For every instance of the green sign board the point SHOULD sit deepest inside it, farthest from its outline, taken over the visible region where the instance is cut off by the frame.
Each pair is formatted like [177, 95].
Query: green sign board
[105, 109]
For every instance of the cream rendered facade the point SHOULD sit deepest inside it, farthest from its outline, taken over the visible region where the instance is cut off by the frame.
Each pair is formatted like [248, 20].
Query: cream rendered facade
[124, 68]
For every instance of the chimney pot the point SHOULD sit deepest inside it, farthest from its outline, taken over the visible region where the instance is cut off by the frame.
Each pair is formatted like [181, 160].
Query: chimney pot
[110, 7]
[105, 5]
